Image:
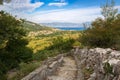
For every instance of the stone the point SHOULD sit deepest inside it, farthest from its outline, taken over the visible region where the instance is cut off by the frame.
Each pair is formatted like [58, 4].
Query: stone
[90, 65]
[116, 68]
[48, 68]
[95, 59]
[92, 76]
[113, 61]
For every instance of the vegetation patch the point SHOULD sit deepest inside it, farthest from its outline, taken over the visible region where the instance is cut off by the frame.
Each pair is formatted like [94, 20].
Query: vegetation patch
[104, 32]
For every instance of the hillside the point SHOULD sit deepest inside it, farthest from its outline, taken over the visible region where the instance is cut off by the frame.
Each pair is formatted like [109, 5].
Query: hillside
[30, 26]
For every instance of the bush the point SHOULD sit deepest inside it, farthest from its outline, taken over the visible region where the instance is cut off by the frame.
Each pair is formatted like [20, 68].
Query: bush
[104, 32]
[13, 48]
[41, 55]
[62, 44]
[44, 54]
[77, 44]
[25, 69]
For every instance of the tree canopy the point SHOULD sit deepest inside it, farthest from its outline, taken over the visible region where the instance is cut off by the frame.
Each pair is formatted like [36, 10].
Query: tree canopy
[13, 48]
[104, 32]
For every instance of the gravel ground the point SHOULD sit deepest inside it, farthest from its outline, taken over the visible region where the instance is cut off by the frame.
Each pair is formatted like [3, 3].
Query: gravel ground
[66, 72]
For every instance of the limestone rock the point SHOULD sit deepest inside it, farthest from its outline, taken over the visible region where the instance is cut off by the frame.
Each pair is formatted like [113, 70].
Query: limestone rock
[91, 62]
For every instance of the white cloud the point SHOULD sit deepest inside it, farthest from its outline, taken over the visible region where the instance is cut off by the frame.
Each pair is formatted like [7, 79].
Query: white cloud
[58, 4]
[23, 5]
[80, 15]
[60, 0]
[74, 15]
[118, 7]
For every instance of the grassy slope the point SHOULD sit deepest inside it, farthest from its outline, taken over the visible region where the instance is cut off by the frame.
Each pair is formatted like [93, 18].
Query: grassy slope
[30, 26]
[41, 42]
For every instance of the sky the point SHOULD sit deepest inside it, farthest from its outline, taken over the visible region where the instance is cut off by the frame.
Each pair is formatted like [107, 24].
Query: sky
[49, 11]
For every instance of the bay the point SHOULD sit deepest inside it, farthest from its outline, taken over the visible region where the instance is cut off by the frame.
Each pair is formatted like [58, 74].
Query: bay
[71, 28]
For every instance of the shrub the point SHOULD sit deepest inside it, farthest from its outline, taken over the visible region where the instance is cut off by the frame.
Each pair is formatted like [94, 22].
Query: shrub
[25, 69]
[41, 55]
[77, 44]
[104, 32]
[13, 48]
[61, 44]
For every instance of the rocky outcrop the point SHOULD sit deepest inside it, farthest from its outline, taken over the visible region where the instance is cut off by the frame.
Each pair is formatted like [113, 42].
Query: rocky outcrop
[92, 64]
[97, 64]
[48, 68]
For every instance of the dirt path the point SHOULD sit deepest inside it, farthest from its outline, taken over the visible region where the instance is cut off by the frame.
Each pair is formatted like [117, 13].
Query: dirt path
[67, 71]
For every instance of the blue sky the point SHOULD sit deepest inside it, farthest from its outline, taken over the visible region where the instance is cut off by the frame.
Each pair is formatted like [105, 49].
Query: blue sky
[47, 11]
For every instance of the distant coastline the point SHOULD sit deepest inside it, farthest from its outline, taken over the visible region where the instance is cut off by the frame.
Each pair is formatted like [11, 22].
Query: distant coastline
[65, 26]
[71, 28]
